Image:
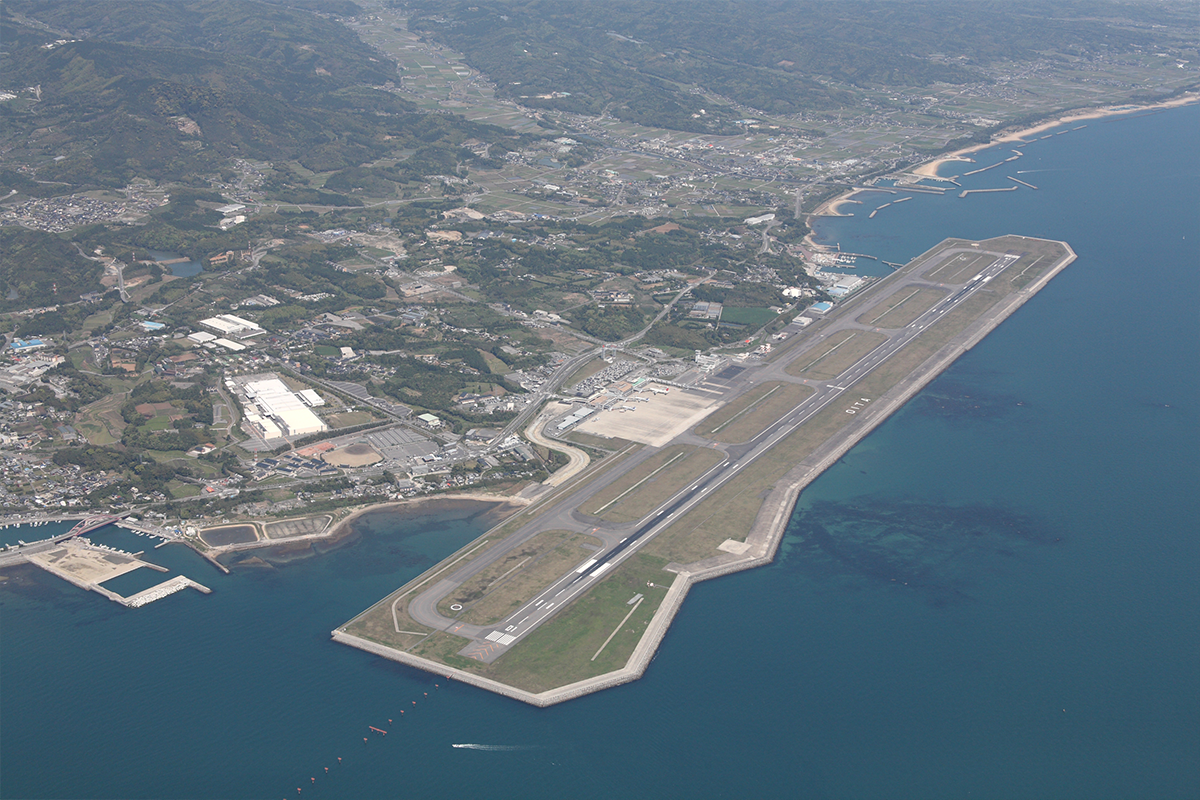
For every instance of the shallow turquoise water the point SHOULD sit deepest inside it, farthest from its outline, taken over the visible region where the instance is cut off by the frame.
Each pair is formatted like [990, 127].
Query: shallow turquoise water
[994, 595]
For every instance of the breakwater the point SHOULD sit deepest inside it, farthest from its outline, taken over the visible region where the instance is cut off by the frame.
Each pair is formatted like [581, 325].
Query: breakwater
[966, 192]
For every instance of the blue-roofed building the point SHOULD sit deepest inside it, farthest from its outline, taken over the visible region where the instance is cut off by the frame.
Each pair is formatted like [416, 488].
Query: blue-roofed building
[25, 345]
[151, 326]
[821, 308]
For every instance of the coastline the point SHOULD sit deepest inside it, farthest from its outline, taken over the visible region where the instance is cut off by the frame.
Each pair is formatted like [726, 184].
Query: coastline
[343, 528]
[415, 504]
[929, 169]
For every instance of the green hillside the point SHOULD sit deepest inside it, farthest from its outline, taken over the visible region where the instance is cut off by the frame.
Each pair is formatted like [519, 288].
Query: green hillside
[651, 61]
[171, 90]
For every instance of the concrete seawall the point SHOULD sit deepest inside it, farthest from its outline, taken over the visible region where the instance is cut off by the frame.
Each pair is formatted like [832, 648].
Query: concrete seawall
[766, 534]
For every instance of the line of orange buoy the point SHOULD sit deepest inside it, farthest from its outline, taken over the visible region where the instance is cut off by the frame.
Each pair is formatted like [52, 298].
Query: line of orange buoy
[372, 728]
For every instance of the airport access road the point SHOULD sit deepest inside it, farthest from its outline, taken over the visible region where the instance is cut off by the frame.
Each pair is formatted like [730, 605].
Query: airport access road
[573, 584]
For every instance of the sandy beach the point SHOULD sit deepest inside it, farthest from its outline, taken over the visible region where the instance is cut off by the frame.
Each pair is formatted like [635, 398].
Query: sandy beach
[833, 208]
[929, 169]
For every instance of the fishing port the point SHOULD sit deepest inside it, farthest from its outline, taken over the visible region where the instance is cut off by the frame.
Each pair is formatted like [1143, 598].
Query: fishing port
[80, 561]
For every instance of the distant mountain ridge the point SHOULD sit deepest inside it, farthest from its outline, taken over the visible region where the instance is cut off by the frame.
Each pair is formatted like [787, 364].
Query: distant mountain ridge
[171, 90]
[638, 60]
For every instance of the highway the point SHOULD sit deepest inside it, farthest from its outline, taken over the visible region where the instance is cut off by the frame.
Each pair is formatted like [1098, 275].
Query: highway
[559, 594]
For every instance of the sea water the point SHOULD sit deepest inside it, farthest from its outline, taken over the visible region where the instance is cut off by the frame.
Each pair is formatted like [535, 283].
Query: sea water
[993, 595]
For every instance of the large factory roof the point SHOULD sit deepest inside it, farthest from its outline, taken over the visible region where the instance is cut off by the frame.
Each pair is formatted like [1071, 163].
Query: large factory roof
[230, 325]
[282, 404]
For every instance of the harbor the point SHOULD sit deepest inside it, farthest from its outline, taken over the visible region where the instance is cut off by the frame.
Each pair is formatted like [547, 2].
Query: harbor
[73, 557]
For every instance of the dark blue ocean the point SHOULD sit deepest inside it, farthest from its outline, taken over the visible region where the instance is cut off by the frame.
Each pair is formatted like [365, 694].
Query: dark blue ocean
[995, 595]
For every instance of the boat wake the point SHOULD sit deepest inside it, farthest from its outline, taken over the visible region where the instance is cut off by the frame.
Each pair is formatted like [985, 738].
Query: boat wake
[501, 748]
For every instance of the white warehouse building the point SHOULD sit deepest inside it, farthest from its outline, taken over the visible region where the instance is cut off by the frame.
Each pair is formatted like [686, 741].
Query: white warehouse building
[230, 325]
[277, 401]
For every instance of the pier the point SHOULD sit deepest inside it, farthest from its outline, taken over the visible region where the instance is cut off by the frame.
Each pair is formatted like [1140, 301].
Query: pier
[1023, 183]
[88, 566]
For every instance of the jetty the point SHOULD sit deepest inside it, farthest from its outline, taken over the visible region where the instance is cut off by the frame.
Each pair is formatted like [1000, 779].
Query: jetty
[167, 587]
[1023, 183]
[993, 166]
[966, 192]
[885, 205]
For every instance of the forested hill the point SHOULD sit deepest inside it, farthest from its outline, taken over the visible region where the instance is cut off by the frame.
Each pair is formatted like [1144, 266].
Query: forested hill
[169, 90]
[299, 42]
[639, 59]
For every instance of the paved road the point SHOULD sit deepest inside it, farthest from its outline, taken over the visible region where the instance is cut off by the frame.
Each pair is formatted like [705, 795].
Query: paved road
[622, 541]
[551, 386]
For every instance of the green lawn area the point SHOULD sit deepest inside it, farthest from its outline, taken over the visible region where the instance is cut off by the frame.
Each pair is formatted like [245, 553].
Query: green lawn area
[572, 646]
[326, 350]
[748, 415]
[640, 490]
[495, 365]
[561, 651]
[163, 456]
[346, 419]
[178, 488]
[748, 316]
[159, 423]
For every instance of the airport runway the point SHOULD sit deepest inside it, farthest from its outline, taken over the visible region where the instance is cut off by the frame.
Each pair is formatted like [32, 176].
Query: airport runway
[620, 542]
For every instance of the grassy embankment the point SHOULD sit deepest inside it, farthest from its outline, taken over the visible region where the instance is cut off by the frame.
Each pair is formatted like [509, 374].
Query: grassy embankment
[504, 585]
[749, 415]
[643, 488]
[568, 648]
